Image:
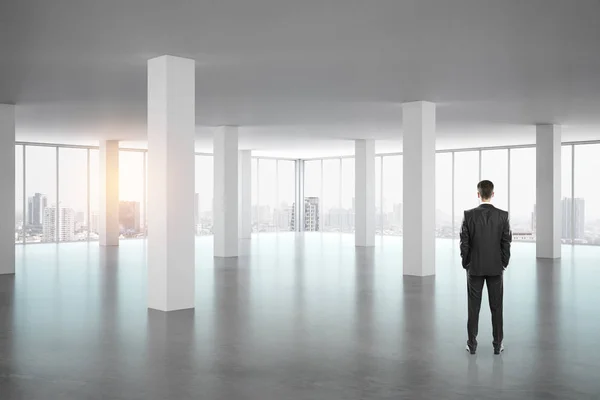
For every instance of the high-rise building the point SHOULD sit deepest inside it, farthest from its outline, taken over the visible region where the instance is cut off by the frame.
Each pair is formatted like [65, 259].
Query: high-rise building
[35, 209]
[293, 218]
[129, 217]
[66, 225]
[311, 215]
[49, 231]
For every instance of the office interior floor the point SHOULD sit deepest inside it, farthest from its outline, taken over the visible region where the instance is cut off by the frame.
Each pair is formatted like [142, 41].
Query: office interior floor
[303, 316]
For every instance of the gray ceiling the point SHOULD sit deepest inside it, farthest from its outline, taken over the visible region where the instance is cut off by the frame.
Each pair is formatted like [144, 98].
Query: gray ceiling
[322, 69]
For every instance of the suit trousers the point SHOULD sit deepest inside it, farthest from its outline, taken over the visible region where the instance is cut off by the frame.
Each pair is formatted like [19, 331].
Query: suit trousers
[495, 288]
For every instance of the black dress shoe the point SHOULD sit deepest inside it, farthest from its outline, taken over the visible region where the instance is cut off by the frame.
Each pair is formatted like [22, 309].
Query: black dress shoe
[498, 349]
[471, 349]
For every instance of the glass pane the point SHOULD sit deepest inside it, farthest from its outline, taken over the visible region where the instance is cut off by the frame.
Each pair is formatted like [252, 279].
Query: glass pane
[348, 202]
[443, 195]
[203, 199]
[567, 192]
[41, 194]
[466, 178]
[331, 195]
[587, 195]
[254, 195]
[286, 193]
[144, 207]
[494, 167]
[312, 195]
[522, 194]
[267, 194]
[72, 194]
[94, 194]
[19, 214]
[392, 195]
[131, 193]
[378, 209]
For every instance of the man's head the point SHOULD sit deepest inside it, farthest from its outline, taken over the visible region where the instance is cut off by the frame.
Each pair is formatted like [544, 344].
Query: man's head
[485, 190]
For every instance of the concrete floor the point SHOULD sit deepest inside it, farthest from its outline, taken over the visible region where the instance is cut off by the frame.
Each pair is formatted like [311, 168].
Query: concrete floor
[306, 317]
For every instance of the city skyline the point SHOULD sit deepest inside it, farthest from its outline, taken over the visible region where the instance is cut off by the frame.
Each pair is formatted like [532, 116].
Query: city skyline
[274, 187]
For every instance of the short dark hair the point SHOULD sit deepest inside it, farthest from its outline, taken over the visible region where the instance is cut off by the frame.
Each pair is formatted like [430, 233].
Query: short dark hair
[485, 189]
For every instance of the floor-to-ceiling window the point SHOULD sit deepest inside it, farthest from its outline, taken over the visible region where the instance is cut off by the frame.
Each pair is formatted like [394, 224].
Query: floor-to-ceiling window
[585, 221]
[522, 193]
[19, 209]
[61, 197]
[331, 195]
[391, 195]
[466, 178]
[313, 187]
[348, 205]
[131, 194]
[494, 167]
[94, 195]
[286, 194]
[204, 195]
[254, 178]
[267, 194]
[566, 186]
[273, 194]
[40, 192]
[443, 195]
[72, 194]
[378, 197]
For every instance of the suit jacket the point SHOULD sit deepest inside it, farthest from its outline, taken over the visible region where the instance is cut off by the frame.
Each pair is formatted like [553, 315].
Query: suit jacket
[485, 238]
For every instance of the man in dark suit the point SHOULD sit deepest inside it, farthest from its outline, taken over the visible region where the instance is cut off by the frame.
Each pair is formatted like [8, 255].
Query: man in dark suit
[485, 251]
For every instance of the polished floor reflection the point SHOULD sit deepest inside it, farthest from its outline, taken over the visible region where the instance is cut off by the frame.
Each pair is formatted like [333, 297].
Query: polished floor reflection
[295, 317]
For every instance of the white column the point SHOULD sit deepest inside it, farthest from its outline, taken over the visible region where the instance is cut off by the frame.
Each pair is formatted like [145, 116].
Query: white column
[418, 120]
[7, 189]
[108, 226]
[245, 194]
[548, 191]
[226, 192]
[171, 183]
[364, 192]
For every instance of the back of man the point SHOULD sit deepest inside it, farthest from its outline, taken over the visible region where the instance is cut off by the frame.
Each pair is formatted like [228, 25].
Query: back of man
[485, 251]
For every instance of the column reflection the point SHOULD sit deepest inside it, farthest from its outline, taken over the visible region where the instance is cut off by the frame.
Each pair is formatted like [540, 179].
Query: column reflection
[232, 328]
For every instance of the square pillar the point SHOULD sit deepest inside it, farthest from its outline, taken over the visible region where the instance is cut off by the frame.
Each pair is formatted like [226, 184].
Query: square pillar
[548, 191]
[171, 183]
[108, 224]
[245, 194]
[418, 120]
[7, 189]
[364, 189]
[226, 192]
